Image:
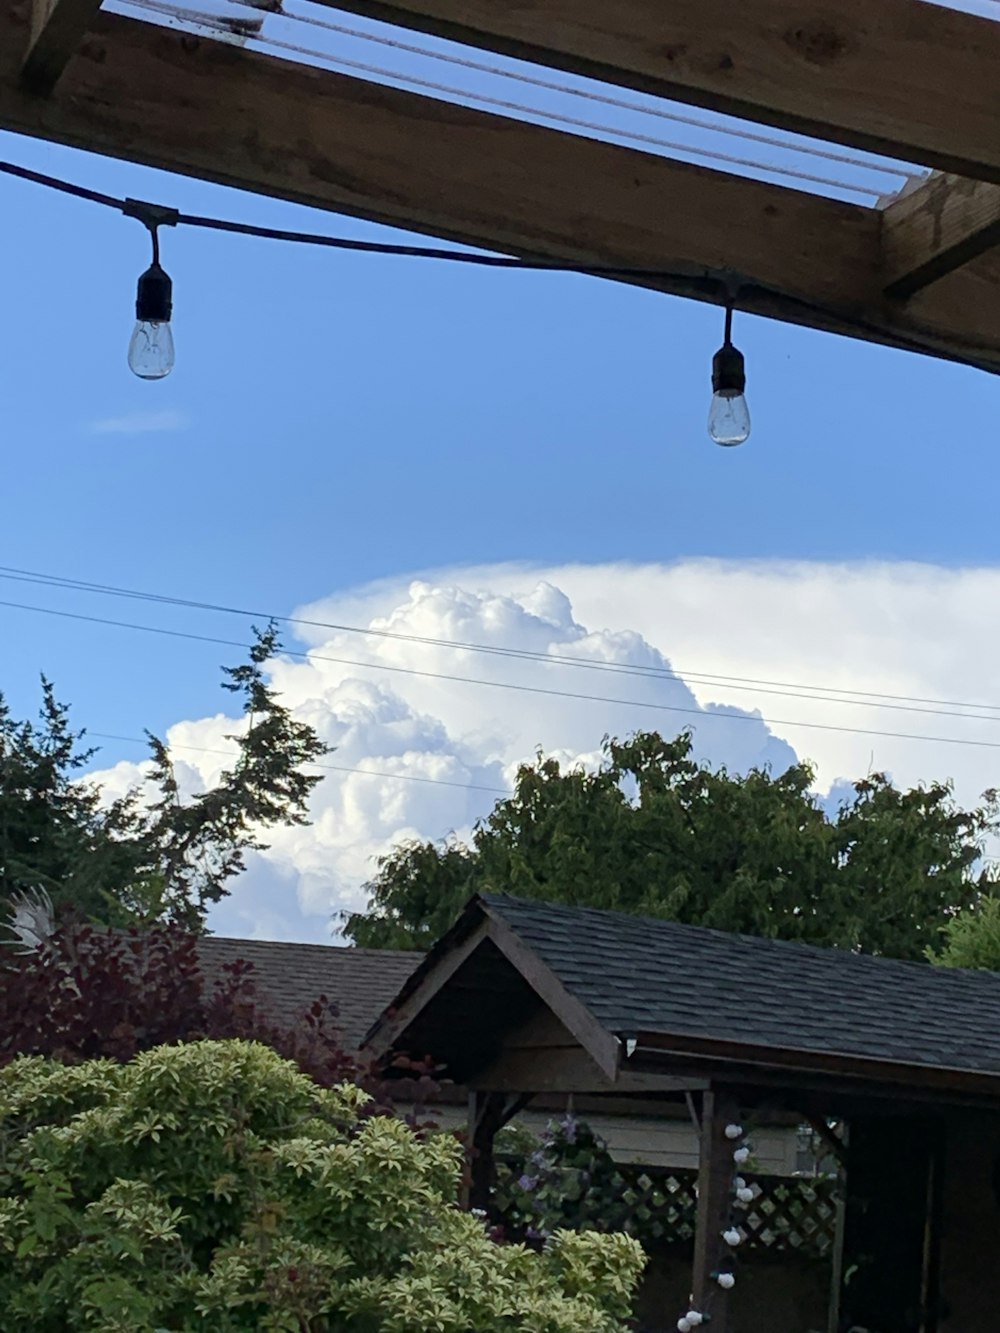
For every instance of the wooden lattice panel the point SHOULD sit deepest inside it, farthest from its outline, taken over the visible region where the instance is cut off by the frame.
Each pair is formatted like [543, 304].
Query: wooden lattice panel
[788, 1214]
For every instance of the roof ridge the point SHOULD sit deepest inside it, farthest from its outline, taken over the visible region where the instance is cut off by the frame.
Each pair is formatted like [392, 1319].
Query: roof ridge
[415, 954]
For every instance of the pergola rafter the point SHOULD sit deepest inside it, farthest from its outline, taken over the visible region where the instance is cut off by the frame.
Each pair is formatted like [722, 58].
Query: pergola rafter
[909, 79]
[936, 229]
[918, 274]
[57, 29]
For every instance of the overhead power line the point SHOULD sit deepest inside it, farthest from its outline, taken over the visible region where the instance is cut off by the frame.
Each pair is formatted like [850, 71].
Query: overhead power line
[781, 689]
[511, 686]
[331, 768]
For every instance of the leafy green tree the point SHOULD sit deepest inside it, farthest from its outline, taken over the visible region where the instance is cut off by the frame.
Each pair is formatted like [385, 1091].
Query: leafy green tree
[655, 832]
[213, 1185]
[151, 855]
[972, 938]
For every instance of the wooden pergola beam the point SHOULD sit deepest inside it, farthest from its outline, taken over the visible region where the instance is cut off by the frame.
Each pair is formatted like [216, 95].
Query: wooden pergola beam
[913, 80]
[207, 109]
[935, 229]
[57, 29]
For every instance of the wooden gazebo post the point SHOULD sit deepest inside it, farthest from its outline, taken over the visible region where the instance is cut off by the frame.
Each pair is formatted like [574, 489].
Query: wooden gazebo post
[485, 1119]
[716, 1173]
[489, 1112]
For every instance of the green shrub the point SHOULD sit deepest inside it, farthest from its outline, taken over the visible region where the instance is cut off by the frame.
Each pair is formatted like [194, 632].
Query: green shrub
[214, 1186]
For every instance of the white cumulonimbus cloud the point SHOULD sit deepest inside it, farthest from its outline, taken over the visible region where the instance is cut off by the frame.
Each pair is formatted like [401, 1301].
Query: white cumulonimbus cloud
[423, 748]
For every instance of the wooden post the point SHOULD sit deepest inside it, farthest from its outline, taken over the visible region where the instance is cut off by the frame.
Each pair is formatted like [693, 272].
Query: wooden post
[716, 1172]
[833, 1323]
[485, 1118]
[488, 1113]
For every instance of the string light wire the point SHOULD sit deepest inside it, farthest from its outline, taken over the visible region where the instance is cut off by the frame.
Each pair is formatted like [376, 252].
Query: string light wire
[694, 280]
[603, 99]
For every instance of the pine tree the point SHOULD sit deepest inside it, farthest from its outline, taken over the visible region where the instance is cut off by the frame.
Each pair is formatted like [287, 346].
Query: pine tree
[150, 856]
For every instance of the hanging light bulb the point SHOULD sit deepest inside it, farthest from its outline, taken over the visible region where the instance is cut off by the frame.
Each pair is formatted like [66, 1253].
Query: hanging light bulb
[151, 349]
[729, 417]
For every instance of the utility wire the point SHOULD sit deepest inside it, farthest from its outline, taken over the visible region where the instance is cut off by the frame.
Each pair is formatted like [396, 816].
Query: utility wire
[781, 689]
[331, 768]
[512, 686]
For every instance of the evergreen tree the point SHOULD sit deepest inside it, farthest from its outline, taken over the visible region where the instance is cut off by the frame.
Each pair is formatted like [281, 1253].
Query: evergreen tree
[150, 856]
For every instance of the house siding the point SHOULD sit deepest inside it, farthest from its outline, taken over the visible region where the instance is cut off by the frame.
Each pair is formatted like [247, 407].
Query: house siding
[650, 1141]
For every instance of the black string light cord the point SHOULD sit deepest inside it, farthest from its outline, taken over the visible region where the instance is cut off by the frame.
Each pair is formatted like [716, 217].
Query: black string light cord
[154, 215]
[713, 286]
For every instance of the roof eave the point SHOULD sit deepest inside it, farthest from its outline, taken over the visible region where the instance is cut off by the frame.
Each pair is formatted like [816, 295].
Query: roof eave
[798, 1065]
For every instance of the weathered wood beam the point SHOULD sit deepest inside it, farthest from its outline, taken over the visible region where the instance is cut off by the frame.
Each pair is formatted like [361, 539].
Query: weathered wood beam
[915, 81]
[830, 1137]
[937, 228]
[570, 1070]
[57, 29]
[488, 1113]
[716, 1172]
[210, 110]
[826, 1085]
[394, 1022]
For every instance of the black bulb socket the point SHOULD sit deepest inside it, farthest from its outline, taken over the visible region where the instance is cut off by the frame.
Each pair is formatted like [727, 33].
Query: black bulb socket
[154, 302]
[728, 371]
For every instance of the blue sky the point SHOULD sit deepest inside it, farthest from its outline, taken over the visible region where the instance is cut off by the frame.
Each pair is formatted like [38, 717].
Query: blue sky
[337, 419]
[347, 417]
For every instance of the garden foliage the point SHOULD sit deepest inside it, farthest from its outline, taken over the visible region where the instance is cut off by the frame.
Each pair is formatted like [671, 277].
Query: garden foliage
[214, 1186]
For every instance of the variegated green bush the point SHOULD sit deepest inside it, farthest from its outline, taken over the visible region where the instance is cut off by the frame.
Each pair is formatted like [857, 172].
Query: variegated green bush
[214, 1186]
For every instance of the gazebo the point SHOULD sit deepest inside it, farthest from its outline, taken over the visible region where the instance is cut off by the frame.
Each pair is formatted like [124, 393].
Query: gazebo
[897, 1065]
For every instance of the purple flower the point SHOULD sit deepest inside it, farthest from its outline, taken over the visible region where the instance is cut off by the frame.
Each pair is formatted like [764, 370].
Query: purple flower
[528, 1182]
[569, 1129]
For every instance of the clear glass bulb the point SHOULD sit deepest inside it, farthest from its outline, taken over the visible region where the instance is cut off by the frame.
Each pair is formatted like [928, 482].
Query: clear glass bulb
[729, 417]
[151, 350]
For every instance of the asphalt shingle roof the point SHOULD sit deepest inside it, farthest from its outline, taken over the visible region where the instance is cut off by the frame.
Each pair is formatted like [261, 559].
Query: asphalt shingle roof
[289, 977]
[637, 974]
